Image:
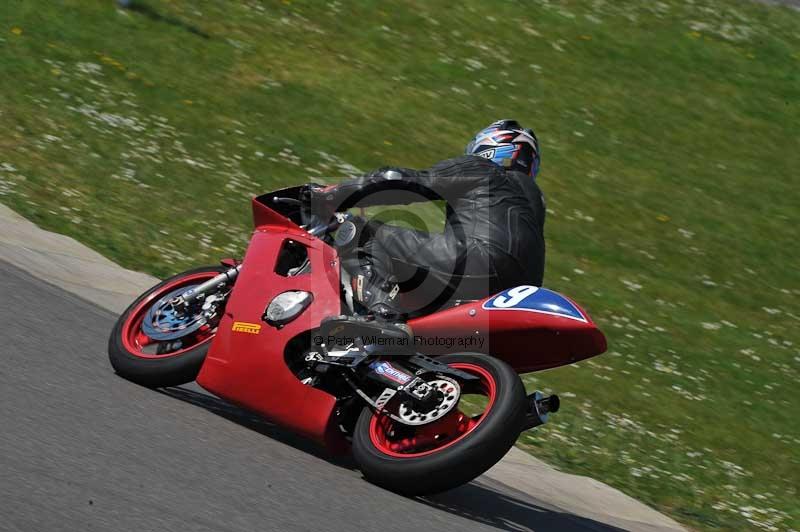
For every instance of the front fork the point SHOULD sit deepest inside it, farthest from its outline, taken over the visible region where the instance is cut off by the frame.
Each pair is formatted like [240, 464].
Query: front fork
[212, 285]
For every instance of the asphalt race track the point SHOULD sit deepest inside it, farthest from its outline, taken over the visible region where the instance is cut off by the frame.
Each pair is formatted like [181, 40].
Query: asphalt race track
[82, 449]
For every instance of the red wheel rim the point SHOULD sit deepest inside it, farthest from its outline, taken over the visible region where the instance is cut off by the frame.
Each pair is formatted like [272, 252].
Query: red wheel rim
[134, 340]
[439, 435]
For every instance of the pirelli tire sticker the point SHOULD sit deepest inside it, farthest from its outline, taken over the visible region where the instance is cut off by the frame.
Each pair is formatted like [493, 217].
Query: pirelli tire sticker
[244, 327]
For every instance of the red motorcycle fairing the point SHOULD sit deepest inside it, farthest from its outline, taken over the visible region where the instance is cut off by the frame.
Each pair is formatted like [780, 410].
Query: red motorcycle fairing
[534, 329]
[246, 362]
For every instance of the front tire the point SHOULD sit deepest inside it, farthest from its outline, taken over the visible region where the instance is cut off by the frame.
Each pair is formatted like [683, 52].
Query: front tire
[130, 350]
[455, 461]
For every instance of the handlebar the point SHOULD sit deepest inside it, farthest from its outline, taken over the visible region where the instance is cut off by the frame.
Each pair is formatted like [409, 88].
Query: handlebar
[323, 228]
[290, 201]
[338, 219]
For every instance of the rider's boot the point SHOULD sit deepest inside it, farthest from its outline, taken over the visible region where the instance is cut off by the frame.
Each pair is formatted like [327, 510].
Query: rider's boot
[379, 296]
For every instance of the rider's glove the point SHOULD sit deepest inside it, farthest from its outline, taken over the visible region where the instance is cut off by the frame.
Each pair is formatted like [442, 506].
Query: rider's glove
[389, 173]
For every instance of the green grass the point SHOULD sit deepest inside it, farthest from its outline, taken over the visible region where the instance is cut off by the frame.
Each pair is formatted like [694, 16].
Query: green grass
[671, 150]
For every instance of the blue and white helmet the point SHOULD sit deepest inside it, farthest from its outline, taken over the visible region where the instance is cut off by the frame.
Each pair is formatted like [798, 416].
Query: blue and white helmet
[508, 144]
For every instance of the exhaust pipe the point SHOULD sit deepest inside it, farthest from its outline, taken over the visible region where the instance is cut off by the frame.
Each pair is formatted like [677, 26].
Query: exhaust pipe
[539, 409]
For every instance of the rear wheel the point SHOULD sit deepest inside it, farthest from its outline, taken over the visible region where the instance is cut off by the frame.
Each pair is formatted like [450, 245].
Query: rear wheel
[157, 344]
[451, 451]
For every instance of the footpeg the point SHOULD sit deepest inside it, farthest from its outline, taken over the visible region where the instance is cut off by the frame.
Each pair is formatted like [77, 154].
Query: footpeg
[539, 409]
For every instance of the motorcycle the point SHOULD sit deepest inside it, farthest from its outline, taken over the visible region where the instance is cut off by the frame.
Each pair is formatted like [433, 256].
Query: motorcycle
[423, 408]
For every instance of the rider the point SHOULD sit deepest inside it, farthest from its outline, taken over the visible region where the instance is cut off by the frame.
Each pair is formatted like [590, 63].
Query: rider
[493, 237]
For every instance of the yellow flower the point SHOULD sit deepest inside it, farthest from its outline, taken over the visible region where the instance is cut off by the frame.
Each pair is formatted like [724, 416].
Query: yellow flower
[662, 218]
[16, 31]
[188, 102]
[585, 37]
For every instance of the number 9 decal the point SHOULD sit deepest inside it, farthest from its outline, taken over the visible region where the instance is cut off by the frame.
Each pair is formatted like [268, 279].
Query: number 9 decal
[514, 296]
[535, 299]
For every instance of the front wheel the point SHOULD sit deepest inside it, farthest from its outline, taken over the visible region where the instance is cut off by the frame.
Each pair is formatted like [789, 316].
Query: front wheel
[453, 450]
[157, 344]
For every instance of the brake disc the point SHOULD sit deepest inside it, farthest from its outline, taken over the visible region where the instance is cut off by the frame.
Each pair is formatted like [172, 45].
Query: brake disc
[167, 321]
[450, 393]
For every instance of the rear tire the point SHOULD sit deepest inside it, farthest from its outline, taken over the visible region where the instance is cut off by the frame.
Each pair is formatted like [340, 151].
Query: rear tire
[158, 371]
[460, 461]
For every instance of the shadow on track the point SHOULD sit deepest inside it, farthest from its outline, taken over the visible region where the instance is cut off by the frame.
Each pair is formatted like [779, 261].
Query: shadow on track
[256, 423]
[494, 505]
[507, 509]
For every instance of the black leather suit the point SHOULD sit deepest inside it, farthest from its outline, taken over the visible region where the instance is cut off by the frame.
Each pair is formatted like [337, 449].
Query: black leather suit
[493, 237]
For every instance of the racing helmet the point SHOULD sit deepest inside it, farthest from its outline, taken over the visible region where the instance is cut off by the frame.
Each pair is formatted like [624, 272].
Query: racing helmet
[508, 144]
